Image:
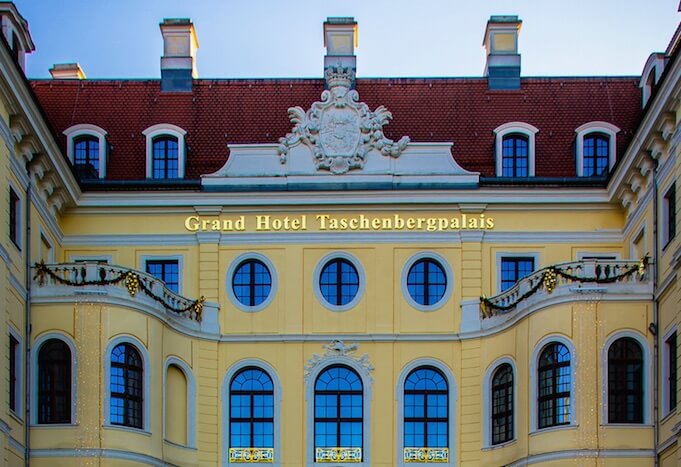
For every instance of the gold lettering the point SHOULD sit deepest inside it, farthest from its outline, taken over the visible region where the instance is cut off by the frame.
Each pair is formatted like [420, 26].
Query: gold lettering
[295, 224]
[387, 223]
[240, 224]
[464, 221]
[354, 223]
[490, 223]
[343, 223]
[192, 223]
[276, 224]
[333, 224]
[262, 222]
[376, 223]
[419, 222]
[322, 218]
[399, 222]
[472, 223]
[455, 224]
[411, 223]
[363, 222]
[304, 223]
[443, 223]
[431, 225]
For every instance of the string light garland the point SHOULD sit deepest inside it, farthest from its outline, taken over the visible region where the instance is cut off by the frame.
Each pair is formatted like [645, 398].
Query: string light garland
[129, 278]
[549, 281]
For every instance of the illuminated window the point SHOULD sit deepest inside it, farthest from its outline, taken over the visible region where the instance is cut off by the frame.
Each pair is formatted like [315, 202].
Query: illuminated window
[251, 282]
[502, 404]
[596, 155]
[251, 413]
[426, 409]
[625, 382]
[126, 385]
[165, 158]
[426, 281]
[54, 382]
[167, 270]
[553, 391]
[339, 282]
[515, 156]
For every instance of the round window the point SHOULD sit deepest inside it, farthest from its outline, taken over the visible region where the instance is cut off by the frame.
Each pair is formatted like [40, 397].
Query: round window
[251, 282]
[426, 282]
[339, 282]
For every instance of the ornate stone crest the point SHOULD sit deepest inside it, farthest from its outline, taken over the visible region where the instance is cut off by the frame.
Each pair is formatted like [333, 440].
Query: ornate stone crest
[335, 350]
[340, 130]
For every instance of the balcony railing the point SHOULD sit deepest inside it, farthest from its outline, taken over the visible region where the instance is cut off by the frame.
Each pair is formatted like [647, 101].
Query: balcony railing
[251, 455]
[426, 455]
[98, 278]
[594, 275]
[353, 455]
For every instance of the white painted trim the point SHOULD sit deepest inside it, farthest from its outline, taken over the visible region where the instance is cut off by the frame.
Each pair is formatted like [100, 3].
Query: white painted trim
[82, 129]
[452, 397]
[146, 380]
[90, 258]
[500, 255]
[225, 394]
[602, 255]
[160, 130]
[487, 402]
[646, 374]
[191, 398]
[639, 236]
[44, 238]
[327, 362]
[35, 353]
[607, 129]
[360, 274]
[20, 215]
[573, 454]
[522, 128]
[534, 365]
[18, 412]
[252, 255]
[181, 286]
[449, 277]
[664, 372]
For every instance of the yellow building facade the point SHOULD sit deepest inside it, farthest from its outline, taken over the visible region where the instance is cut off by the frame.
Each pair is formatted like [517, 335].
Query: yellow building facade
[337, 297]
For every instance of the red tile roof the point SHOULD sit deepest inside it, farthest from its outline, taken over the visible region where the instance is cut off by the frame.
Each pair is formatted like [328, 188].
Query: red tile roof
[459, 110]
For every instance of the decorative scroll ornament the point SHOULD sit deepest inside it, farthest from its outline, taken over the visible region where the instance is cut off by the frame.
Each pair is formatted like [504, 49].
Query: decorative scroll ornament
[338, 349]
[340, 130]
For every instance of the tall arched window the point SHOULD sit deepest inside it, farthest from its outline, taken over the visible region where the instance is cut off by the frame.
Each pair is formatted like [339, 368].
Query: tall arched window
[596, 155]
[126, 384]
[515, 156]
[502, 404]
[251, 412]
[165, 157]
[54, 382]
[625, 381]
[426, 415]
[553, 392]
[86, 156]
[338, 415]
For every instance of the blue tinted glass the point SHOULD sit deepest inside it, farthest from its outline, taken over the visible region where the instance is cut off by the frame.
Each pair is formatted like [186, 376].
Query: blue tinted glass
[515, 160]
[251, 409]
[339, 282]
[165, 158]
[425, 409]
[426, 282]
[166, 270]
[252, 282]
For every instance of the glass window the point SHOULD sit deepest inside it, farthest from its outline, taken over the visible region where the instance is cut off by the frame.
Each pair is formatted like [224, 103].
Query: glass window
[86, 156]
[502, 404]
[515, 156]
[167, 270]
[14, 234]
[251, 410]
[596, 155]
[14, 370]
[625, 381]
[339, 282]
[252, 282]
[54, 382]
[426, 282]
[338, 410]
[126, 386]
[671, 372]
[426, 409]
[513, 269]
[165, 158]
[554, 381]
[669, 215]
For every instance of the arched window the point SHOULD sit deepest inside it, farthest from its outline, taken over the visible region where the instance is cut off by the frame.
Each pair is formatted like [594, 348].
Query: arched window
[54, 382]
[515, 156]
[176, 407]
[426, 413]
[426, 281]
[502, 404]
[596, 155]
[165, 157]
[553, 392]
[625, 381]
[126, 384]
[251, 410]
[338, 415]
[251, 282]
[86, 156]
[339, 282]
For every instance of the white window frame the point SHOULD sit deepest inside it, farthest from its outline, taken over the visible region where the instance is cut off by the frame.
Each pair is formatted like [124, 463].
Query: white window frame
[534, 255]
[534, 367]
[225, 393]
[522, 128]
[19, 217]
[647, 377]
[449, 277]
[165, 129]
[639, 236]
[666, 410]
[585, 130]
[654, 63]
[487, 403]
[451, 401]
[596, 256]
[91, 258]
[46, 240]
[86, 129]
[146, 379]
[35, 352]
[18, 411]
[230, 276]
[317, 276]
[191, 398]
[180, 267]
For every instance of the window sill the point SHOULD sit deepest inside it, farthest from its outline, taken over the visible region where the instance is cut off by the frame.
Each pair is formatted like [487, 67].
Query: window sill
[668, 416]
[626, 425]
[179, 446]
[15, 416]
[551, 429]
[60, 426]
[494, 447]
[129, 429]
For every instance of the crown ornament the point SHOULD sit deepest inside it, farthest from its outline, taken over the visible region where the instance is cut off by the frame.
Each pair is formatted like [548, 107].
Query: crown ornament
[339, 75]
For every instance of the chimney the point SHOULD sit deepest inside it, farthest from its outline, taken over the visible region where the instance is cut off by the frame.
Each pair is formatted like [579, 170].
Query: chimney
[67, 71]
[340, 40]
[503, 60]
[178, 63]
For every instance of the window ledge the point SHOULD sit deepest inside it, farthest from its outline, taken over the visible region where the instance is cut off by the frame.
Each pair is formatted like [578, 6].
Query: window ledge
[494, 447]
[54, 425]
[668, 416]
[129, 429]
[16, 416]
[627, 425]
[540, 431]
[179, 446]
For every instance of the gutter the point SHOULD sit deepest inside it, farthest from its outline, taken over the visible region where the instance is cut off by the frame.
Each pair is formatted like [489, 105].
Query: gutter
[27, 331]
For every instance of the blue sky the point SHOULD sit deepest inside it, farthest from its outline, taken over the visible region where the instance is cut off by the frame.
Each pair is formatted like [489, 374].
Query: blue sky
[283, 38]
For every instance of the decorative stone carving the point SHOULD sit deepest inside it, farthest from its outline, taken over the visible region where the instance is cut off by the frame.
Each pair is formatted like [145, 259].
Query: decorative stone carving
[340, 130]
[338, 350]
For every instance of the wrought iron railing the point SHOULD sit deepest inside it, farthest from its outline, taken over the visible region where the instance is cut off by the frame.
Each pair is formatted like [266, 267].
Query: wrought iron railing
[353, 455]
[107, 275]
[423, 455]
[251, 455]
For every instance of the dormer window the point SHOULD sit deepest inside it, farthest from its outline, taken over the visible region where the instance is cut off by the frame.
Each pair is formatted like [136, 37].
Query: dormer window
[86, 149]
[514, 149]
[165, 151]
[595, 149]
